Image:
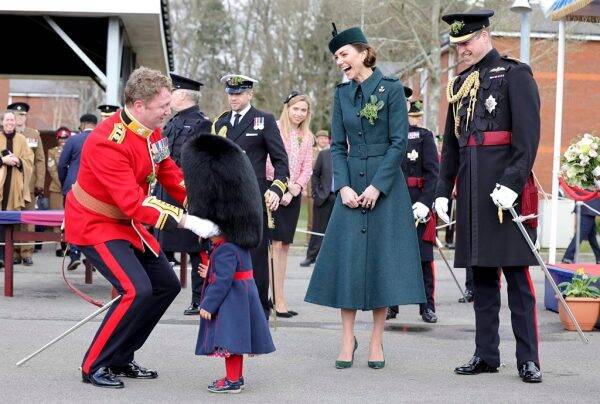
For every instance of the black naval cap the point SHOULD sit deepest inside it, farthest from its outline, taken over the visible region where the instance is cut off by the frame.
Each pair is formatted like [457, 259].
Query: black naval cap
[464, 26]
[346, 37]
[237, 83]
[416, 108]
[183, 83]
[107, 109]
[19, 107]
[408, 92]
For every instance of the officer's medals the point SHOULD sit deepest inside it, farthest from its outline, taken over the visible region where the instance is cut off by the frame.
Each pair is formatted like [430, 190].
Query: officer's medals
[160, 150]
[259, 123]
[490, 104]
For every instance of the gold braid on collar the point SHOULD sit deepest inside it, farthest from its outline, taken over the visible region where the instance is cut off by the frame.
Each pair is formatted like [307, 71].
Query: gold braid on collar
[468, 88]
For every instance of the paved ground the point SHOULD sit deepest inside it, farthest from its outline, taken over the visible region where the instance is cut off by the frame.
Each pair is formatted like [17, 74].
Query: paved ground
[419, 357]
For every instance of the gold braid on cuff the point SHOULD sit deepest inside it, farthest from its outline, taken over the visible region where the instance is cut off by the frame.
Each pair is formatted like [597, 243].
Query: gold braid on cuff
[279, 184]
[166, 210]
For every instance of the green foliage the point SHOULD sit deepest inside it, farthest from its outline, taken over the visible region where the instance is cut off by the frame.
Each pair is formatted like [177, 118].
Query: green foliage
[371, 108]
[581, 285]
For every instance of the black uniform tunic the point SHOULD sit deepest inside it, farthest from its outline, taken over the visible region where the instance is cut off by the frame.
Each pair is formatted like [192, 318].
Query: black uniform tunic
[507, 100]
[178, 130]
[422, 161]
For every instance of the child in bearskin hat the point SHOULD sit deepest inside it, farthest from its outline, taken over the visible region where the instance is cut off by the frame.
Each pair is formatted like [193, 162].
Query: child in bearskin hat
[222, 187]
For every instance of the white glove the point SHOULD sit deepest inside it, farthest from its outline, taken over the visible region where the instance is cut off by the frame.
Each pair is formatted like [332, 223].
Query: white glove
[202, 227]
[441, 208]
[503, 197]
[420, 211]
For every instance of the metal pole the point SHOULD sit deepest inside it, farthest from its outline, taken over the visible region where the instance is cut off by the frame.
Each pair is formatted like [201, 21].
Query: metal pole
[114, 52]
[525, 36]
[560, 75]
[577, 229]
[69, 331]
[519, 222]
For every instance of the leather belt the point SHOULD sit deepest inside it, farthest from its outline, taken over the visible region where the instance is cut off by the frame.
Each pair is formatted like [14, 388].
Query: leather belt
[415, 182]
[498, 138]
[96, 205]
[368, 150]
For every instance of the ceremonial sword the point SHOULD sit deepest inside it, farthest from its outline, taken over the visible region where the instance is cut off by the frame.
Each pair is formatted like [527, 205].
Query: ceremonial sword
[70, 330]
[519, 222]
[271, 225]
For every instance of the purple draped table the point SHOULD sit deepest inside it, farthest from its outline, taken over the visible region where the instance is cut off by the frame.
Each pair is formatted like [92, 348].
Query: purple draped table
[10, 218]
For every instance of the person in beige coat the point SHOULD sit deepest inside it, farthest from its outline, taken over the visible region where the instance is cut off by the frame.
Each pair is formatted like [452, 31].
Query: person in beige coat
[16, 167]
[55, 188]
[38, 176]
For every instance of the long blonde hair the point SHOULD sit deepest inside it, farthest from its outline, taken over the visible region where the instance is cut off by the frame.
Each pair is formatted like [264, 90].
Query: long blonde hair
[284, 119]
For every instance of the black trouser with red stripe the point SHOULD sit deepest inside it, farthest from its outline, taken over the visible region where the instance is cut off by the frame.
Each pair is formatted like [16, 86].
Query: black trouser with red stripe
[429, 281]
[147, 284]
[521, 301]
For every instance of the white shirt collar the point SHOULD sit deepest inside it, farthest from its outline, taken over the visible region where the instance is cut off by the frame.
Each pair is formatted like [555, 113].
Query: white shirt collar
[243, 112]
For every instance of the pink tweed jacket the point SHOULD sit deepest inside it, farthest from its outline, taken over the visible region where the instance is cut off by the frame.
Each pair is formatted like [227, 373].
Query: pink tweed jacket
[300, 158]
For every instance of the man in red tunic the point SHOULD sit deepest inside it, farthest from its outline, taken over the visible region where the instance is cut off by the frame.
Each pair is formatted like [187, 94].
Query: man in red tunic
[106, 216]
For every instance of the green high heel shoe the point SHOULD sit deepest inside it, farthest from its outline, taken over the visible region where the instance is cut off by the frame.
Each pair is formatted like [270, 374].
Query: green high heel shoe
[377, 364]
[347, 364]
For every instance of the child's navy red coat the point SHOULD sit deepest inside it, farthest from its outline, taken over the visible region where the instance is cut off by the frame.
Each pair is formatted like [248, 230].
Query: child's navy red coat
[238, 324]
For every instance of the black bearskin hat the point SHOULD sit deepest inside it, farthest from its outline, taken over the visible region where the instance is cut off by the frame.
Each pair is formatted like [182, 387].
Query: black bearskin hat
[222, 187]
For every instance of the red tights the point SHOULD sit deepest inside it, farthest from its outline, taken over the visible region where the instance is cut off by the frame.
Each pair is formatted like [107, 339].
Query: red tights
[234, 365]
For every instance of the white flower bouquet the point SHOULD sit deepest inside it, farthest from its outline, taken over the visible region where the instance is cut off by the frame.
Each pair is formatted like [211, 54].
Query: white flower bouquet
[580, 164]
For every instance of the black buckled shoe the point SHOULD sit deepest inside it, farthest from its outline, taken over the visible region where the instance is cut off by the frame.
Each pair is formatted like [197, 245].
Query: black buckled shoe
[134, 371]
[103, 377]
[307, 262]
[429, 316]
[191, 310]
[530, 373]
[391, 314]
[475, 366]
[27, 261]
[468, 297]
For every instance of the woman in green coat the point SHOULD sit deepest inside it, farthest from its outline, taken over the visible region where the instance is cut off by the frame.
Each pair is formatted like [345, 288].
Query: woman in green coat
[369, 258]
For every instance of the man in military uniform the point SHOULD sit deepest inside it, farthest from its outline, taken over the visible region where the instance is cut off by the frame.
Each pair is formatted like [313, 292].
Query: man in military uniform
[55, 189]
[490, 142]
[107, 213]
[107, 110]
[187, 122]
[36, 183]
[256, 133]
[421, 169]
[68, 166]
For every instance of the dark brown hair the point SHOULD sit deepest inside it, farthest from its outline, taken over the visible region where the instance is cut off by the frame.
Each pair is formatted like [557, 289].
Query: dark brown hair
[371, 58]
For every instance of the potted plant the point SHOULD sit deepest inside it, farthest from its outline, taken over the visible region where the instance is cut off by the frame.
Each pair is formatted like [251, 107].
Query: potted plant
[583, 299]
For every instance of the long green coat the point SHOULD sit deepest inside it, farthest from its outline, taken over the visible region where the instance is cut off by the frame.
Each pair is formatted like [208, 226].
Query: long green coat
[369, 258]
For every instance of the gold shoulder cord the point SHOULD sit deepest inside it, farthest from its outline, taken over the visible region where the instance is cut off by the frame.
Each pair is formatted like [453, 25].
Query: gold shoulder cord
[470, 88]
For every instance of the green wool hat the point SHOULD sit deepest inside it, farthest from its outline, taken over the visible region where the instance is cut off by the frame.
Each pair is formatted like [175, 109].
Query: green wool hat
[346, 37]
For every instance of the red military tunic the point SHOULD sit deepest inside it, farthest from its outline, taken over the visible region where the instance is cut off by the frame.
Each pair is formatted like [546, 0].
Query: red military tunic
[111, 200]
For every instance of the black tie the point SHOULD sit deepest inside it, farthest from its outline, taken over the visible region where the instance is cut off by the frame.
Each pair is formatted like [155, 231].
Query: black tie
[236, 119]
